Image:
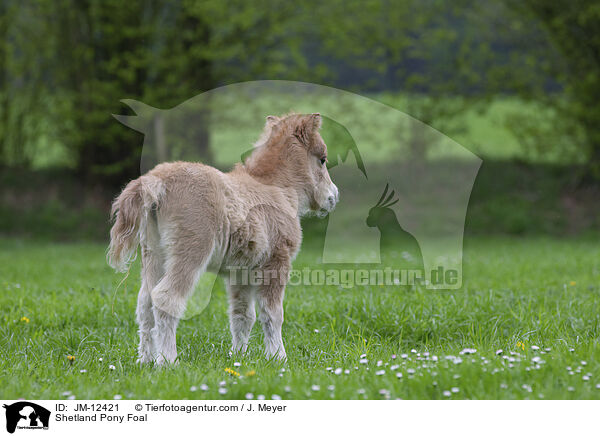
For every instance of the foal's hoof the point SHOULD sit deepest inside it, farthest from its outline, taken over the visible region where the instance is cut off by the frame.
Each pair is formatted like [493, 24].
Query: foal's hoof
[278, 357]
[163, 360]
[144, 359]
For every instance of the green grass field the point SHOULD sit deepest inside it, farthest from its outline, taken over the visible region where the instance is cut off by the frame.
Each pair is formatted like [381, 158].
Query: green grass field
[59, 300]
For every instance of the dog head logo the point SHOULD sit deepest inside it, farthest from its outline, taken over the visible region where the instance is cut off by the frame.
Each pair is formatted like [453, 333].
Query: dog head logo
[26, 415]
[426, 178]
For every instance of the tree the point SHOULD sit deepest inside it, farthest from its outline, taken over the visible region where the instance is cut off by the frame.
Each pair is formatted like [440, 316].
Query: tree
[424, 49]
[574, 28]
[23, 94]
[203, 45]
[90, 55]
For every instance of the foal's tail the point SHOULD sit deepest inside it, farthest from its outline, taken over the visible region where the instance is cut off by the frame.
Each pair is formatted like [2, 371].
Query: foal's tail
[130, 212]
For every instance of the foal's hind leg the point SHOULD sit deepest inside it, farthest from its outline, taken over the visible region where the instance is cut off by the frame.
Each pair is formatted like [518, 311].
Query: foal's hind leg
[169, 298]
[152, 271]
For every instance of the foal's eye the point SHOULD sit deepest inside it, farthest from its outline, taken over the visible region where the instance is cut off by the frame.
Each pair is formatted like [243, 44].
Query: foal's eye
[323, 160]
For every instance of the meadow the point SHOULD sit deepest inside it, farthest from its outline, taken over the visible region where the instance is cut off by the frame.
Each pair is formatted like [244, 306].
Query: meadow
[524, 325]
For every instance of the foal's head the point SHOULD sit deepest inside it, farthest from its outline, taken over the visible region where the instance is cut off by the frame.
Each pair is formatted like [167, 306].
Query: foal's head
[292, 154]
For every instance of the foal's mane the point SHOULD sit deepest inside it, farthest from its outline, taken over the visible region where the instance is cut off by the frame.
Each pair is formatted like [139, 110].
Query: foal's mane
[272, 121]
[269, 152]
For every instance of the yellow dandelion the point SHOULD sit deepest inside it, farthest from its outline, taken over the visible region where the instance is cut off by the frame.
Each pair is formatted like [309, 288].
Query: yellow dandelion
[572, 283]
[250, 373]
[521, 345]
[232, 372]
[71, 358]
[25, 319]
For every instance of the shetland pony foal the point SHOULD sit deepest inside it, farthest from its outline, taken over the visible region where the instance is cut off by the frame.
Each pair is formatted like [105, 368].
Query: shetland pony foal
[190, 218]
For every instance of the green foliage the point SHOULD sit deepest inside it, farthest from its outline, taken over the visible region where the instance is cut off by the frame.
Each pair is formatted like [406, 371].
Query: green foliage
[406, 45]
[53, 220]
[573, 27]
[52, 205]
[87, 56]
[531, 199]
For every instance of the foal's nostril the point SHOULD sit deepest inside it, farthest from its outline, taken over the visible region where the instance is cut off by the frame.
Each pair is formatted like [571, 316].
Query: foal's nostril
[332, 200]
[336, 194]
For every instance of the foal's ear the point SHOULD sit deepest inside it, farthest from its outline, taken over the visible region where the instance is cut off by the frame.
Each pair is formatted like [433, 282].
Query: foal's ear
[270, 126]
[317, 120]
[308, 126]
[272, 120]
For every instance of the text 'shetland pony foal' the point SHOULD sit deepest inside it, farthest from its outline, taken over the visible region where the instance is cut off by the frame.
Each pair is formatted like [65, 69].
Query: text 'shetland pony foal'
[190, 217]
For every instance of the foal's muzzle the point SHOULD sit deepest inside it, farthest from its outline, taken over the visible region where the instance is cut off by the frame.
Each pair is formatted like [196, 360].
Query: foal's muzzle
[330, 203]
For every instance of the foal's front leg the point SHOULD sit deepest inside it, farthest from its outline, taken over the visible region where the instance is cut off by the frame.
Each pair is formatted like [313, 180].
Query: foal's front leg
[145, 320]
[270, 304]
[241, 315]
